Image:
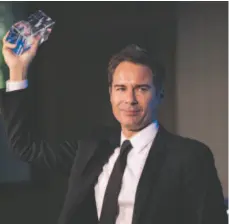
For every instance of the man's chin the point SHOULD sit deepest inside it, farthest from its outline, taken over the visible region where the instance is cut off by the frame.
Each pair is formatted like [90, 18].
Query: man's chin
[133, 126]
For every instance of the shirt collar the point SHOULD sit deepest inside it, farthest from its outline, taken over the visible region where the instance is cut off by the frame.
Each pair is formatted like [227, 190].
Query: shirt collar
[143, 137]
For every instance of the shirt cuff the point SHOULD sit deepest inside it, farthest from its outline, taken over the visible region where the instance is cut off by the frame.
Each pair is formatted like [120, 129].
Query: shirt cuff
[16, 85]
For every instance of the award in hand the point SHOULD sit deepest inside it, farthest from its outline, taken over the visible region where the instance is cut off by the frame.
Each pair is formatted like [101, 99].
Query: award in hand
[22, 32]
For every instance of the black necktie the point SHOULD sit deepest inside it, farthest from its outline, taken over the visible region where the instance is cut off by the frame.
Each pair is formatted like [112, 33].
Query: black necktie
[110, 208]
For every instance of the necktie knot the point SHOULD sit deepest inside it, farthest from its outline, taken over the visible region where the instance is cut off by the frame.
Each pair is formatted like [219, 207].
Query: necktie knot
[126, 147]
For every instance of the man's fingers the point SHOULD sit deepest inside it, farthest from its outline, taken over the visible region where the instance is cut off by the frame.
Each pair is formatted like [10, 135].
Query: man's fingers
[7, 52]
[9, 45]
[6, 44]
[35, 44]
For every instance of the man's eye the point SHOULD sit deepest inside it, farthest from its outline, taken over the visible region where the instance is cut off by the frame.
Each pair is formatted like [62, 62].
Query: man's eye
[143, 89]
[120, 89]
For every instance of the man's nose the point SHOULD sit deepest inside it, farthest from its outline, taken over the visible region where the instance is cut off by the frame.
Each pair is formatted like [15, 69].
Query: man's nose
[131, 97]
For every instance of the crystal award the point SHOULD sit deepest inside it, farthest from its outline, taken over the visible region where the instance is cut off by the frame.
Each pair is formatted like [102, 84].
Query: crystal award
[22, 32]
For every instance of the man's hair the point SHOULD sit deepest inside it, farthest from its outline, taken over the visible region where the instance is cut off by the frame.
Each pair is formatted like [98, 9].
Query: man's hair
[137, 55]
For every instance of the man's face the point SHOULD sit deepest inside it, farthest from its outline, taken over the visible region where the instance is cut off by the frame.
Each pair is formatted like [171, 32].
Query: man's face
[133, 96]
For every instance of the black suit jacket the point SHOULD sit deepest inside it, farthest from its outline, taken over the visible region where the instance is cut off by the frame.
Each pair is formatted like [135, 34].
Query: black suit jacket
[178, 185]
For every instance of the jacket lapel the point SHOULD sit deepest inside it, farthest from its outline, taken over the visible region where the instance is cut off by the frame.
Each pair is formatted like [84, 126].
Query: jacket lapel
[150, 173]
[96, 153]
[100, 152]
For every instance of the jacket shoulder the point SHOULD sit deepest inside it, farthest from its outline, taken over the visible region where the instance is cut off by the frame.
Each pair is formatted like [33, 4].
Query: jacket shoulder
[188, 148]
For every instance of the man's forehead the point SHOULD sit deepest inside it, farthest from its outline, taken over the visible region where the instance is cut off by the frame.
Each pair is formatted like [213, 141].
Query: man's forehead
[125, 77]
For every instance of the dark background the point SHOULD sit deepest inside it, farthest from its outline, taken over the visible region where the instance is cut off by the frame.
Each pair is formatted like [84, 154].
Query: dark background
[68, 84]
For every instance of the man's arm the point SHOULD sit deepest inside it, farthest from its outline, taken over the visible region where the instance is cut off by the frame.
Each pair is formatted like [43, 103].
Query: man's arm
[202, 191]
[18, 115]
[25, 140]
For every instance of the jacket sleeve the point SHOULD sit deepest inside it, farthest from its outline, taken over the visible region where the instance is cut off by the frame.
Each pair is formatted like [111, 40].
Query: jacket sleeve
[203, 195]
[18, 117]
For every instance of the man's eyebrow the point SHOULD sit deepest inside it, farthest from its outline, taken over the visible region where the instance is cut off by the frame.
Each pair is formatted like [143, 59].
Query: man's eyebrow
[143, 85]
[119, 85]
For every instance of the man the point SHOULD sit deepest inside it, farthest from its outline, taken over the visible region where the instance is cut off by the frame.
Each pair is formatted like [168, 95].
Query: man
[140, 174]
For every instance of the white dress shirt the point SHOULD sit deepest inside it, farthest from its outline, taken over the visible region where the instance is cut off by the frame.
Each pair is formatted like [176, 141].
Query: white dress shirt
[136, 158]
[16, 85]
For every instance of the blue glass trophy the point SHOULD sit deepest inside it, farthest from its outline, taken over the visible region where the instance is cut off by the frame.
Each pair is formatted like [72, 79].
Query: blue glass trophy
[22, 32]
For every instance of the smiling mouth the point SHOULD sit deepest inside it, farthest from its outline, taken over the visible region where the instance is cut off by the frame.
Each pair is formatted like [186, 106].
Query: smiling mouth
[131, 112]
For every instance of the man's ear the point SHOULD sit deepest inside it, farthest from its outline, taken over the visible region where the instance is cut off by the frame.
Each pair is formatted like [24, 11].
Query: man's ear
[160, 95]
[110, 89]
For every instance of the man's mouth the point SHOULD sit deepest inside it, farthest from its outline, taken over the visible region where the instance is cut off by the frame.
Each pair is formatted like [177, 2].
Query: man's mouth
[131, 112]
